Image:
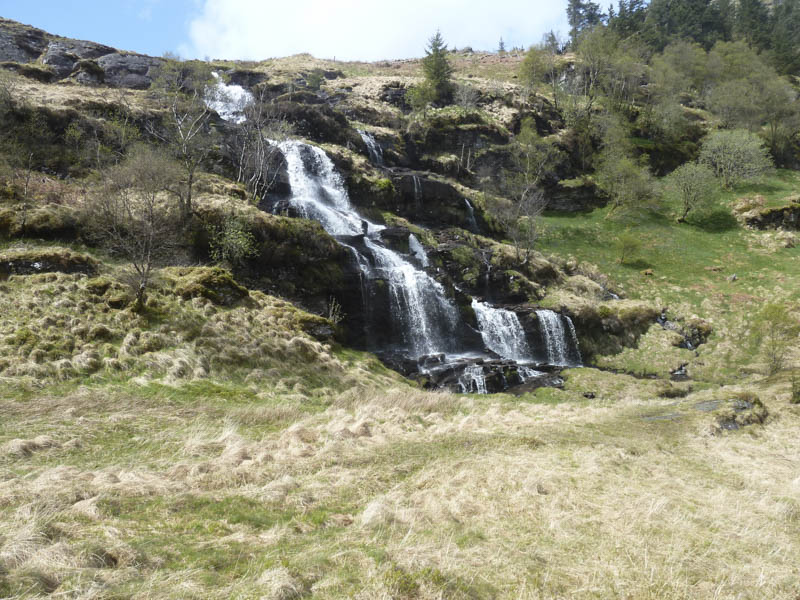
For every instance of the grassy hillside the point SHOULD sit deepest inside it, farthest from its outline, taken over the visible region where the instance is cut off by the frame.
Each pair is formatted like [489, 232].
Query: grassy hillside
[222, 441]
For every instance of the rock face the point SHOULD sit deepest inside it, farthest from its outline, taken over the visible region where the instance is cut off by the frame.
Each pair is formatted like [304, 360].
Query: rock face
[89, 63]
[19, 43]
[63, 55]
[128, 70]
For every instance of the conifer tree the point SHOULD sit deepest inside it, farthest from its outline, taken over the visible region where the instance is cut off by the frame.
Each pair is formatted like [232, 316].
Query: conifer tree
[437, 69]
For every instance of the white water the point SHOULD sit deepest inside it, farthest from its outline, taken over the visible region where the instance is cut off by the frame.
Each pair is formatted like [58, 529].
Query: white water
[426, 317]
[526, 373]
[473, 224]
[556, 339]
[473, 379]
[375, 151]
[418, 251]
[229, 101]
[502, 332]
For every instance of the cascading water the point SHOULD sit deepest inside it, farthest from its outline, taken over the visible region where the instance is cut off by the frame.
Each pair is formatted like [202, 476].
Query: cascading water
[375, 151]
[502, 332]
[426, 320]
[473, 379]
[473, 224]
[418, 251]
[229, 101]
[562, 348]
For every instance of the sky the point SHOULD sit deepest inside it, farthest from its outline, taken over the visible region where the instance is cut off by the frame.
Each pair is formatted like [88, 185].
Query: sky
[260, 29]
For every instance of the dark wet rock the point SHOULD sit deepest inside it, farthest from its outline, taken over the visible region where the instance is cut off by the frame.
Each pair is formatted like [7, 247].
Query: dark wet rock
[783, 217]
[573, 198]
[45, 261]
[245, 78]
[589, 395]
[320, 123]
[679, 374]
[394, 93]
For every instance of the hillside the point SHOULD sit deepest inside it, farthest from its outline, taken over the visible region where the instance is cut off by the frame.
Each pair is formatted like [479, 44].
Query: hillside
[288, 406]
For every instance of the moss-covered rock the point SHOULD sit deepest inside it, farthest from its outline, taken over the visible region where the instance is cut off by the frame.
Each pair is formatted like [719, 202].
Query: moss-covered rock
[213, 283]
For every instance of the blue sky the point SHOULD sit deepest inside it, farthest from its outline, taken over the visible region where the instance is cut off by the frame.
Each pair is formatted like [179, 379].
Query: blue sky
[259, 29]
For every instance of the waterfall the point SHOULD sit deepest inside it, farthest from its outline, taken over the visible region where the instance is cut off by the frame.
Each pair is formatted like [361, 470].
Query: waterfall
[375, 151]
[418, 251]
[228, 101]
[473, 380]
[502, 332]
[526, 373]
[562, 348]
[473, 224]
[425, 319]
[417, 190]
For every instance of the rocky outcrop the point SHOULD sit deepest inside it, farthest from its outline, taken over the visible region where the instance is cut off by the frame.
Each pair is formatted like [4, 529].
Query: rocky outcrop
[129, 70]
[63, 55]
[20, 43]
[87, 62]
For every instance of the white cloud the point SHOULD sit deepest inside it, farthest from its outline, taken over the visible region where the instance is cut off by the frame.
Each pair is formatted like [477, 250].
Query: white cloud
[364, 30]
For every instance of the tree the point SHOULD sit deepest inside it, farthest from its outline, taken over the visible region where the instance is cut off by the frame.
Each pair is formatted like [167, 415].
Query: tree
[437, 69]
[519, 219]
[691, 20]
[693, 184]
[501, 47]
[582, 15]
[627, 183]
[132, 217]
[786, 36]
[735, 155]
[182, 88]
[751, 23]
[775, 331]
[533, 159]
[253, 146]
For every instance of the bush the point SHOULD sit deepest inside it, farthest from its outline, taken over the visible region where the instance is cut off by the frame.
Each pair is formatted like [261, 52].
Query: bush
[735, 156]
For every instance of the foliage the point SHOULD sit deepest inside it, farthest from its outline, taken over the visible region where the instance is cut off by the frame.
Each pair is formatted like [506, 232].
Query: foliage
[519, 219]
[420, 97]
[694, 186]
[437, 69]
[315, 79]
[735, 156]
[628, 246]
[628, 184]
[130, 217]
[231, 241]
[774, 331]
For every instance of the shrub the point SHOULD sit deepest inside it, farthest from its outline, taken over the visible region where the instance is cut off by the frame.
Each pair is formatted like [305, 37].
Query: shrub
[735, 155]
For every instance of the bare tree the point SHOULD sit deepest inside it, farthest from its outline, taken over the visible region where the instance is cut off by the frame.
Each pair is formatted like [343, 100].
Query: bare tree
[519, 219]
[132, 216]
[254, 146]
[181, 89]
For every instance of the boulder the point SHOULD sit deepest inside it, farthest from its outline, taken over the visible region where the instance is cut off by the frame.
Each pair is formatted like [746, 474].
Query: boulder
[63, 55]
[128, 70]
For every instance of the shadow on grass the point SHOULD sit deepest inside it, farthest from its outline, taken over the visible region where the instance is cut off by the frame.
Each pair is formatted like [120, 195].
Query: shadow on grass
[637, 263]
[717, 220]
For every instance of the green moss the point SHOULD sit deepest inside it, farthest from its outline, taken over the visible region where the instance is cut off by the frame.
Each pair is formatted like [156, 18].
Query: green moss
[213, 283]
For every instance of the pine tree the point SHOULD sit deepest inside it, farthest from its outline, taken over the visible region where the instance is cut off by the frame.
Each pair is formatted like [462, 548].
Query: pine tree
[501, 47]
[752, 23]
[582, 15]
[786, 36]
[437, 69]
